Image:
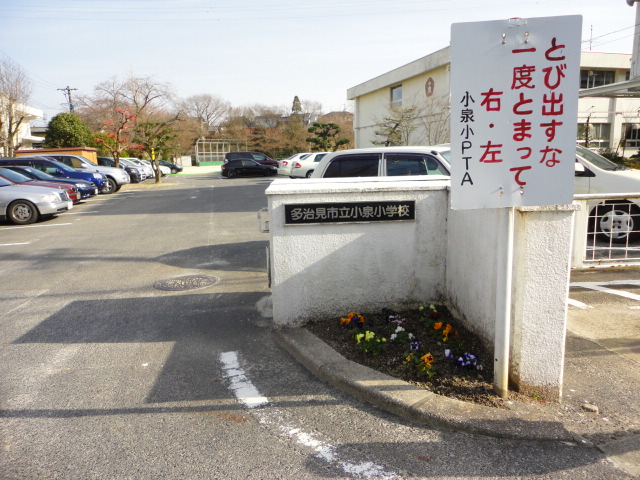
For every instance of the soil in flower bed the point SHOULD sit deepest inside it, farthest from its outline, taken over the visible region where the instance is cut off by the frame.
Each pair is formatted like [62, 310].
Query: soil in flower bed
[463, 383]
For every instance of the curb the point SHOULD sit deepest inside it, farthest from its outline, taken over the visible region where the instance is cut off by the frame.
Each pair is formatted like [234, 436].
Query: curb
[414, 403]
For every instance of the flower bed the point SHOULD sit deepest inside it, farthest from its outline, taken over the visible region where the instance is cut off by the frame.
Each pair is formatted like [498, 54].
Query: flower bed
[425, 347]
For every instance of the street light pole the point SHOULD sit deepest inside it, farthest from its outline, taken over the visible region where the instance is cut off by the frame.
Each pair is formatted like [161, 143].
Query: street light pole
[635, 56]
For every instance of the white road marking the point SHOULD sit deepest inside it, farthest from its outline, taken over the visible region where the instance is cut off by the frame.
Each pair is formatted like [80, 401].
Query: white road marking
[37, 226]
[603, 287]
[242, 388]
[248, 394]
[578, 304]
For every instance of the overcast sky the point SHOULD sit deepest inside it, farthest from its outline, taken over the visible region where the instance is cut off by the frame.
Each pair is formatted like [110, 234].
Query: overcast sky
[258, 51]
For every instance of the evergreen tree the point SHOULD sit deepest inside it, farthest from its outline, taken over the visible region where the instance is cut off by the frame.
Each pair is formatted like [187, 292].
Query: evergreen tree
[67, 130]
[296, 109]
[325, 139]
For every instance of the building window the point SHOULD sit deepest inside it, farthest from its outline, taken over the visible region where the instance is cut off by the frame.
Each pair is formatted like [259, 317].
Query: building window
[598, 136]
[596, 78]
[396, 96]
[631, 135]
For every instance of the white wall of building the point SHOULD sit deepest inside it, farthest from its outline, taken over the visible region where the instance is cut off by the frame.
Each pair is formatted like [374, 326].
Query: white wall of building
[323, 271]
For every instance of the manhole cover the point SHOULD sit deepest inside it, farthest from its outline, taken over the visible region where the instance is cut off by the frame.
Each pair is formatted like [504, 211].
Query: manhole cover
[188, 282]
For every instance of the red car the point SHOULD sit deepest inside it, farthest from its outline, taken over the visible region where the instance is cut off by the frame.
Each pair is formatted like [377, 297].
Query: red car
[21, 179]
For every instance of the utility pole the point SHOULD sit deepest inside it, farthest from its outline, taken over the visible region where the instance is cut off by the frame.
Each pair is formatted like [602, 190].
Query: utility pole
[68, 95]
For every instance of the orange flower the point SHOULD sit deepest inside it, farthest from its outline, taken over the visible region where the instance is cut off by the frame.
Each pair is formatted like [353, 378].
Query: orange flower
[447, 329]
[428, 358]
[438, 326]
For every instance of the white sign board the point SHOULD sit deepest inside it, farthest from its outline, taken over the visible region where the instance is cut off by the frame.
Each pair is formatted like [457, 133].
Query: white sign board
[514, 104]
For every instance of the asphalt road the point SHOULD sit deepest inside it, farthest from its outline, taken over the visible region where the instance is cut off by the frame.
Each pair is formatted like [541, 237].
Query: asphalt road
[106, 374]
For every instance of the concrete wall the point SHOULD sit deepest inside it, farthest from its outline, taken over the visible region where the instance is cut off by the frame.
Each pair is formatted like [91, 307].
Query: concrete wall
[323, 270]
[455, 257]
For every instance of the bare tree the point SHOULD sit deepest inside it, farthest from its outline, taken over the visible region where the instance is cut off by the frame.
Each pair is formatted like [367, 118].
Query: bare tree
[209, 110]
[15, 90]
[435, 121]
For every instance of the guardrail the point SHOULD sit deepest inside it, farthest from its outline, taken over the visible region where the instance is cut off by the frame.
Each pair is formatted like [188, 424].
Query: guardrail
[606, 230]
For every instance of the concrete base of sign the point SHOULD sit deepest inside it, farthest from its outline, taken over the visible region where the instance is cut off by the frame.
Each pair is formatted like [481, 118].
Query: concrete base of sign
[324, 270]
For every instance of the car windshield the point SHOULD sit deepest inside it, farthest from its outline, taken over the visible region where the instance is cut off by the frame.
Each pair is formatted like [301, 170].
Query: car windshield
[34, 172]
[62, 166]
[597, 160]
[6, 183]
[14, 176]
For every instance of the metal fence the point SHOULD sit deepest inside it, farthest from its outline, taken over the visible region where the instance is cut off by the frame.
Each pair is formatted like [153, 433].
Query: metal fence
[607, 231]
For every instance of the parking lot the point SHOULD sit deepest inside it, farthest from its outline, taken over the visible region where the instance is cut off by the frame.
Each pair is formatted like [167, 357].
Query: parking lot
[109, 375]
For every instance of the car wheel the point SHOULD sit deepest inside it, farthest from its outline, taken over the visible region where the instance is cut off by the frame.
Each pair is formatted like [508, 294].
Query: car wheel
[174, 170]
[309, 173]
[22, 212]
[616, 223]
[231, 174]
[110, 187]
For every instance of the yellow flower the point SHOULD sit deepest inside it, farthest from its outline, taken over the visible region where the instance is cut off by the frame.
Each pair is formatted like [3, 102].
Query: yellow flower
[445, 338]
[438, 326]
[369, 335]
[409, 358]
[428, 366]
[428, 358]
[359, 337]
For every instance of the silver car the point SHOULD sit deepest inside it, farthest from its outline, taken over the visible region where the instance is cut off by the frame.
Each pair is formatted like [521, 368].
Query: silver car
[24, 204]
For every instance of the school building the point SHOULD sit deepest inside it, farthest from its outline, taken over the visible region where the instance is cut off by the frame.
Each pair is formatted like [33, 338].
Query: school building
[607, 121]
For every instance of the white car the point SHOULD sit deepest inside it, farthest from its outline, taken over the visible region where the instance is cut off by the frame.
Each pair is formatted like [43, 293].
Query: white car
[304, 166]
[617, 221]
[145, 166]
[402, 161]
[163, 170]
[284, 166]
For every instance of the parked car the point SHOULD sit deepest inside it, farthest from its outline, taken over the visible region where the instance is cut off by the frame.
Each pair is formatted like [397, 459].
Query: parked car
[116, 178]
[172, 166]
[21, 179]
[57, 169]
[381, 162]
[85, 189]
[22, 204]
[163, 170]
[285, 166]
[136, 175]
[617, 221]
[303, 167]
[146, 168]
[256, 156]
[244, 167]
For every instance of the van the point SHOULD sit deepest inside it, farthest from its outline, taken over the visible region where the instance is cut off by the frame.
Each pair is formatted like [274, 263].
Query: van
[381, 162]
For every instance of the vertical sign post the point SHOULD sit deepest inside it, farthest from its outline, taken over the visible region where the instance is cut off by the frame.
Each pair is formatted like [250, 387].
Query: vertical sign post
[514, 104]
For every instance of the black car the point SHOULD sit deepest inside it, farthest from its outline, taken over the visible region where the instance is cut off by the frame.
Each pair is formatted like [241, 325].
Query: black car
[85, 189]
[256, 156]
[244, 167]
[174, 168]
